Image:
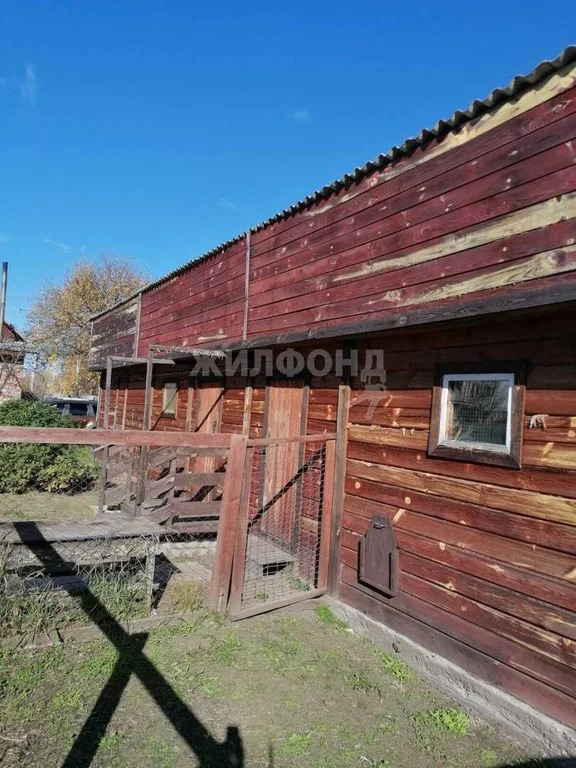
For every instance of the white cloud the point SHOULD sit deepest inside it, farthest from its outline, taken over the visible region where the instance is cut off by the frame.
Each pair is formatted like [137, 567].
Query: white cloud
[228, 205]
[29, 85]
[301, 115]
[57, 244]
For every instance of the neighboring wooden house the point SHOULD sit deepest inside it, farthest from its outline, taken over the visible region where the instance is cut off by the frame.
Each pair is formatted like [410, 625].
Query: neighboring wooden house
[12, 354]
[455, 254]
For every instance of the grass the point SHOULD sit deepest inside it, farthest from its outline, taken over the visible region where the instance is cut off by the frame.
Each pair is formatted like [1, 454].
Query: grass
[41, 506]
[395, 667]
[226, 651]
[360, 681]
[33, 611]
[326, 616]
[296, 744]
[301, 696]
[449, 720]
[184, 596]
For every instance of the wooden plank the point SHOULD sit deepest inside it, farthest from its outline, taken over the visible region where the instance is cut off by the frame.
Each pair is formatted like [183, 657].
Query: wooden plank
[364, 496]
[199, 479]
[160, 456]
[484, 566]
[110, 437]
[196, 527]
[158, 487]
[450, 177]
[536, 480]
[230, 510]
[195, 508]
[550, 454]
[58, 531]
[403, 438]
[560, 622]
[543, 506]
[489, 568]
[535, 639]
[255, 610]
[527, 557]
[401, 418]
[445, 188]
[285, 423]
[317, 438]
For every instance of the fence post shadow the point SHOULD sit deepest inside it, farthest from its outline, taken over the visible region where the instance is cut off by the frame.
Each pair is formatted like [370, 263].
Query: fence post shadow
[544, 762]
[132, 661]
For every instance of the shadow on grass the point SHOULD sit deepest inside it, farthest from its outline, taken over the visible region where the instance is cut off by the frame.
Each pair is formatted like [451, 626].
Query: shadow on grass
[545, 762]
[132, 661]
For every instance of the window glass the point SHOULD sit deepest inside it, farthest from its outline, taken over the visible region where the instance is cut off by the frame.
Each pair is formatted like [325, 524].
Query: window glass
[78, 409]
[477, 410]
[170, 396]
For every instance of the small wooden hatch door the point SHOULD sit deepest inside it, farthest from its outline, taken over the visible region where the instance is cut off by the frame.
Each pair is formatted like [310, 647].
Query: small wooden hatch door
[378, 557]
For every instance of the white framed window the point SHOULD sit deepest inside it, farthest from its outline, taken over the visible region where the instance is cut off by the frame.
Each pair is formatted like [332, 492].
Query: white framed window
[477, 414]
[170, 399]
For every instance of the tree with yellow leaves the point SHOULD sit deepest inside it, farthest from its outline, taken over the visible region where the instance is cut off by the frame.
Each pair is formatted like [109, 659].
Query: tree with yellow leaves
[59, 319]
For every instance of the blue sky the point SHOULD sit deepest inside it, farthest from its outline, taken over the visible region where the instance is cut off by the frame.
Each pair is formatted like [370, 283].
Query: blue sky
[157, 129]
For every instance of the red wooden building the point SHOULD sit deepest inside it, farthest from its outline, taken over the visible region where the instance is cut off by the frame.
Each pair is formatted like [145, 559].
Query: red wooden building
[455, 255]
[12, 354]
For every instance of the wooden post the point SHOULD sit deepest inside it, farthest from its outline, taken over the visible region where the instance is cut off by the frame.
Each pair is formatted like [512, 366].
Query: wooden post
[105, 456]
[327, 512]
[147, 416]
[338, 492]
[109, 364]
[246, 287]
[241, 539]
[248, 393]
[146, 424]
[229, 513]
[150, 567]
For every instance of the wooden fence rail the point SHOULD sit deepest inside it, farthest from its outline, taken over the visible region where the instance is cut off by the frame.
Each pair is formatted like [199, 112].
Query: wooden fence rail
[111, 437]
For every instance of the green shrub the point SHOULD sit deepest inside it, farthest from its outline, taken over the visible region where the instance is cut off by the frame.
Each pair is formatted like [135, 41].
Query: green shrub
[72, 470]
[40, 466]
[31, 413]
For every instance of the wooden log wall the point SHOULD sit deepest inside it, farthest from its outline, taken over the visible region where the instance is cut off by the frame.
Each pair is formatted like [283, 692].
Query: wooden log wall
[485, 216]
[487, 554]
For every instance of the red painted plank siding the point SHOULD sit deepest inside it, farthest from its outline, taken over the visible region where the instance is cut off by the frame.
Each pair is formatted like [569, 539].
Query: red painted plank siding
[354, 257]
[484, 558]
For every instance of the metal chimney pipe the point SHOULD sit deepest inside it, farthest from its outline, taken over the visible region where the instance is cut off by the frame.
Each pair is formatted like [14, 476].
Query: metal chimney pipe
[3, 296]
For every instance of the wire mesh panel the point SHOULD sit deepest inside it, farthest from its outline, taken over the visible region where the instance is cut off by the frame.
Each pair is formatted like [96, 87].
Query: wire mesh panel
[123, 529]
[281, 553]
[45, 481]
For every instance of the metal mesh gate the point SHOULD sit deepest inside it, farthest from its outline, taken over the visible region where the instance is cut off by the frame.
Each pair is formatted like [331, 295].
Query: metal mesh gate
[283, 528]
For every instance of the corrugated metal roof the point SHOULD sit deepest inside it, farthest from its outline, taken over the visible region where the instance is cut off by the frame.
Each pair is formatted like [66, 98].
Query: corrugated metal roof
[477, 108]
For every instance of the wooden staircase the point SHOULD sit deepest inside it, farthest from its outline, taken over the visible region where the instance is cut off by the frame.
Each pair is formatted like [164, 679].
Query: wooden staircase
[164, 486]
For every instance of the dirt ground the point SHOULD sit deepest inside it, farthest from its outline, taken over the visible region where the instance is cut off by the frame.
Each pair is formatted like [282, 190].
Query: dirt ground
[290, 690]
